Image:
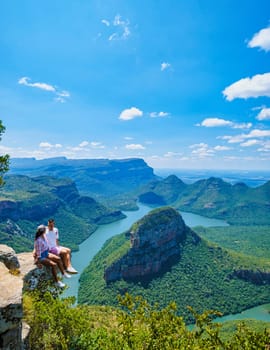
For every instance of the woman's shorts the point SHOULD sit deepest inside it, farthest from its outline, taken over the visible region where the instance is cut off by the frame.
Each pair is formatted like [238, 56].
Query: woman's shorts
[44, 255]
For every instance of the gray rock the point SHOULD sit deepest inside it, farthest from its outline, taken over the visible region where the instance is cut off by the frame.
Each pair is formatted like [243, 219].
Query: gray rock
[9, 258]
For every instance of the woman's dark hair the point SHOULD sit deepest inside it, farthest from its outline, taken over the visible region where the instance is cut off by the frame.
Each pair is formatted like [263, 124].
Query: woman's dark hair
[40, 230]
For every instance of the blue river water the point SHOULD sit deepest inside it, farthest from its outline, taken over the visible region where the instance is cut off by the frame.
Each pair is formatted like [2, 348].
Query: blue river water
[89, 248]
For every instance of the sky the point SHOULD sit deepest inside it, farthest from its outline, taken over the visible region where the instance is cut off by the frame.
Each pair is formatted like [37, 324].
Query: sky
[181, 84]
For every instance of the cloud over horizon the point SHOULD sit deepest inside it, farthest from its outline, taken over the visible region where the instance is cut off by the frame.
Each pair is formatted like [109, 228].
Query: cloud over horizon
[219, 122]
[135, 146]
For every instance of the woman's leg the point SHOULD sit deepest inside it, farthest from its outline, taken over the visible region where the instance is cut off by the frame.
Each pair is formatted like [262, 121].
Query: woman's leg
[56, 259]
[52, 264]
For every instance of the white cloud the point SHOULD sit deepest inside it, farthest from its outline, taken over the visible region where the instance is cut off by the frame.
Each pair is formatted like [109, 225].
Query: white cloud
[112, 37]
[95, 144]
[261, 39]
[172, 154]
[42, 86]
[221, 148]
[84, 144]
[49, 145]
[134, 146]
[241, 125]
[159, 114]
[122, 29]
[258, 85]
[130, 113]
[201, 150]
[264, 114]
[256, 133]
[215, 122]
[106, 22]
[218, 122]
[250, 143]
[265, 147]
[164, 66]
[61, 95]
[128, 138]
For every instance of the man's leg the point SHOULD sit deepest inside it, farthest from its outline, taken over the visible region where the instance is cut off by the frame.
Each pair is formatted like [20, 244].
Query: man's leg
[65, 256]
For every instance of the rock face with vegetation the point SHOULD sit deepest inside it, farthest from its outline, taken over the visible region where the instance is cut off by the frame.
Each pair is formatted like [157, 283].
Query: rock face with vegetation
[28, 202]
[11, 310]
[18, 273]
[154, 246]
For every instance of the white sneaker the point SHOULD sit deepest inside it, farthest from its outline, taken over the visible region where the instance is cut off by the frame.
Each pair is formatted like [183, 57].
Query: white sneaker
[71, 270]
[66, 275]
[60, 284]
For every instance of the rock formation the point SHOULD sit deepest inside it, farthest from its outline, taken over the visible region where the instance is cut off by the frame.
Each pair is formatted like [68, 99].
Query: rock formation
[154, 246]
[257, 277]
[17, 273]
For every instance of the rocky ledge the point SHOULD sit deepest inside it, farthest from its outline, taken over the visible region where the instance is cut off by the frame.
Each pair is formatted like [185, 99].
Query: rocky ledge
[154, 246]
[17, 273]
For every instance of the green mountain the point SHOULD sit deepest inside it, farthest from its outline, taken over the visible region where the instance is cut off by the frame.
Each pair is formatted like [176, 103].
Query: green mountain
[237, 204]
[163, 260]
[102, 179]
[27, 202]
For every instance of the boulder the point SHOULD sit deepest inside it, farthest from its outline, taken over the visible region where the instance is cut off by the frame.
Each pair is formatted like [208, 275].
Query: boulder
[9, 258]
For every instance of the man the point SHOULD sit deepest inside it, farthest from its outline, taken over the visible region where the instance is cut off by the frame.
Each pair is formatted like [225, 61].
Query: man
[64, 252]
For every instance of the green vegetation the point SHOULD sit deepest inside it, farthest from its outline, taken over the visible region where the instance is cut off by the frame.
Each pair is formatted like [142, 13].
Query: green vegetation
[28, 202]
[201, 278]
[57, 324]
[4, 160]
[239, 238]
[237, 204]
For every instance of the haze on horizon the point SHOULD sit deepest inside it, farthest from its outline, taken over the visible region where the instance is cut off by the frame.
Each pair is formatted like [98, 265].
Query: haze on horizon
[179, 84]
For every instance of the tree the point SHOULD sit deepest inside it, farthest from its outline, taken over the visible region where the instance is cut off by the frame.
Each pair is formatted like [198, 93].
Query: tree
[4, 159]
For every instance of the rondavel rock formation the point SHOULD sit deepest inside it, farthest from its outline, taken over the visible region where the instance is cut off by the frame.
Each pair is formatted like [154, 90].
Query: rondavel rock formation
[17, 273]
[154, 246]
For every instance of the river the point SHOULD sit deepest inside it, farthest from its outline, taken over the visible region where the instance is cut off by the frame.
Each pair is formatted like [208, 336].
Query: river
[89, 248]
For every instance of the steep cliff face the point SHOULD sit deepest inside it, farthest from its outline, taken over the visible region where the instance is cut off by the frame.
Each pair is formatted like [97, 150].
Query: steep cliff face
[17, 273]
[154, 246]
[257, 277]
[94, 177]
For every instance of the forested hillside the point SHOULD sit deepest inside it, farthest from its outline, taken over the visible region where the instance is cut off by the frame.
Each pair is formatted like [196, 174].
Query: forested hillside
[28, 202]
[202, 276]
[238, 204]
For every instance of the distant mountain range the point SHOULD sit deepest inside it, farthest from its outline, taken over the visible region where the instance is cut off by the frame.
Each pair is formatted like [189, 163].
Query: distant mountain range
[101, 179]
[120, 183]
[26, 202]
[213, 197]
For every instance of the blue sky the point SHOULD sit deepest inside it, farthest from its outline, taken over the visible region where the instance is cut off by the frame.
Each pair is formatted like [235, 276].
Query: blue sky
[182, 84]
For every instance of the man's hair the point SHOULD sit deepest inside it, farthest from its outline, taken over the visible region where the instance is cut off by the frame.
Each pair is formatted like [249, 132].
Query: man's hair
[51, 221]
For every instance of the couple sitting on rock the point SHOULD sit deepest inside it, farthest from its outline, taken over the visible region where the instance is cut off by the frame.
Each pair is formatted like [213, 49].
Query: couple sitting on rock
[48, 252]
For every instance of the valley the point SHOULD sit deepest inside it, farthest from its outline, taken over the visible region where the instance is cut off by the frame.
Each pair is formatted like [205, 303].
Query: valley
[206, 274]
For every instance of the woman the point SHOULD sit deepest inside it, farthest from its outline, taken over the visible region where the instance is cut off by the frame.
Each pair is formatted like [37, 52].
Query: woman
[48, 259]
